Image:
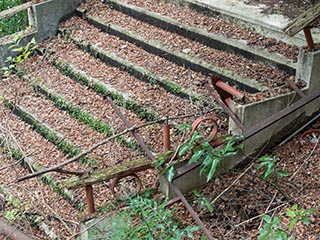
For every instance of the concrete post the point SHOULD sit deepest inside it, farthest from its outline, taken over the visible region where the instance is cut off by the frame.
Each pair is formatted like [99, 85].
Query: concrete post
[308, 68]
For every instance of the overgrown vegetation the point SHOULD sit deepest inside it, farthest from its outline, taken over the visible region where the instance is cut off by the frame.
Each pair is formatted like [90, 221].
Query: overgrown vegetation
[84, 117]
[49, 134]
[270, 170]
[197, 149]
[22, 54]
[143, 219]
[102, 89]
[273, 228]
[15, 23]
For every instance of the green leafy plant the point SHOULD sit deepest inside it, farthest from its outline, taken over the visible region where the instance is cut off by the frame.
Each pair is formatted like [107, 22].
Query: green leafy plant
[202, 201]
[15, 23]
[196, 149]
[145, 219]
[15, 212]
[298, 215]
[209, 156]
[22, 54]
[274, 229]
[270, 171]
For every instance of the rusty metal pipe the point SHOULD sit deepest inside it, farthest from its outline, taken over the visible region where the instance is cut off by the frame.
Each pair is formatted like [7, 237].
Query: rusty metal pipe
[216, 96]
[11, 232]
[166, 138]
[89, 198]
[227, 88]
[295, 88]
[194, 215]
[308, 35]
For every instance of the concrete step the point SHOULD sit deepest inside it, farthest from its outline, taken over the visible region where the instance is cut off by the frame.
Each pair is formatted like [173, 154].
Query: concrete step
[210, 39]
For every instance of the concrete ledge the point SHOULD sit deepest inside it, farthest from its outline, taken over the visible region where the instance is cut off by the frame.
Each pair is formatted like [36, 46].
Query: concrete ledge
[210, 39]
[176, 57]
[251, 115]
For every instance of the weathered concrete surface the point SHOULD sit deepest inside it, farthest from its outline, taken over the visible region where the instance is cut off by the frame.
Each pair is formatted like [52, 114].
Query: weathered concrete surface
[50, 13]
[203, 36]
[309, 68]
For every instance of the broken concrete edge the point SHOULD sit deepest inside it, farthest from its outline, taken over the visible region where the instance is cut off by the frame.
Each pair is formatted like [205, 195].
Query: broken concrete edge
[47, 15]
[203, 36]
[235, 15]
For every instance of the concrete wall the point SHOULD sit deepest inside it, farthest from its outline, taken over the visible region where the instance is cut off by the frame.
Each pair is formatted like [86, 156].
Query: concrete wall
[47, 17]
[255, 113]
[309, 68]
[251, 115]
[50, 13]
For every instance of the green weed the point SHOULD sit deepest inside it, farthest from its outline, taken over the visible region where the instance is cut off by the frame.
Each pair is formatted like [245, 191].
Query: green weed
[274, 229]
[144, 219]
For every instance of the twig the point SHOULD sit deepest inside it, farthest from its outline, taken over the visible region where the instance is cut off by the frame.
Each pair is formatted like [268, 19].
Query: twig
[16, 162]
[46, 204]
[267, 209]
[309, 156]
[233, 183]
[83, 153]
[255, 217]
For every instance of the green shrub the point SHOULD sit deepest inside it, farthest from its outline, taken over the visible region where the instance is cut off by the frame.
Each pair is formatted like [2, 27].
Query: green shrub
[273, 228]
[143, 219]
[15, 23]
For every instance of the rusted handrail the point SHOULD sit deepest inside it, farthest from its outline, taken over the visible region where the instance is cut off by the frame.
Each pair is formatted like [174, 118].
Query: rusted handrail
[214, 93]
[194, 215]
